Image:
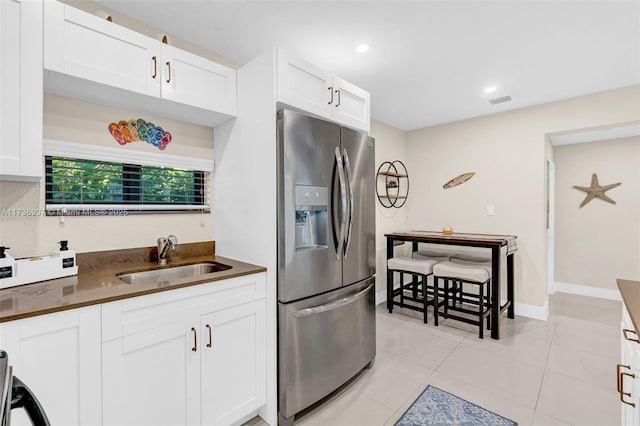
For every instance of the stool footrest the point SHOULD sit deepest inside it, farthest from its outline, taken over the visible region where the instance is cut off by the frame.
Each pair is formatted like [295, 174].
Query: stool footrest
[408, 306]
[463, 319]
[485, 313]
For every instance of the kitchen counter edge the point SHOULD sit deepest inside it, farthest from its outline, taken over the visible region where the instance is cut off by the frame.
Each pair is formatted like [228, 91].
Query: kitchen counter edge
[100, 286]
[630, 291]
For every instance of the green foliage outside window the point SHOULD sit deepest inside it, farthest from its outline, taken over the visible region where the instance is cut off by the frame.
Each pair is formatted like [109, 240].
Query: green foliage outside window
[78, 180]
[73, 181]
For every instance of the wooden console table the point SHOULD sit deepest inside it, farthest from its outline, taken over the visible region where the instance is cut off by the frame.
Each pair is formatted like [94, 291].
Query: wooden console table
[494, 242]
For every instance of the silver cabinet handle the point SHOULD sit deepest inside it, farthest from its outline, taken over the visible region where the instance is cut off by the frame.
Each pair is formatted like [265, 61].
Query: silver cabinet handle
[169, 68]
[332, 305]
[343, 203]
[347, 167]
[339, 98]
[195, 340]
[331, 99]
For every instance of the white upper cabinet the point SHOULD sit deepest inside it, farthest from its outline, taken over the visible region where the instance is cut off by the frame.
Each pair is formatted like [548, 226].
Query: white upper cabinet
[308, 88]
[86, 46]
[351, 105]
[20, 90]
[194, 80]
[90, 58]
[303, 85]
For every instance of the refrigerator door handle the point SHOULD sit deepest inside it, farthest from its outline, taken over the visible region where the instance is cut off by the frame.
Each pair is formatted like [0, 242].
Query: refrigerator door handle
[343, 204]
[332, 305]
[347, 167]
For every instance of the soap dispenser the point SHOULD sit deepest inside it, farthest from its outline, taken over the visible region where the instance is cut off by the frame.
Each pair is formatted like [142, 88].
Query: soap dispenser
[7, 268]
[68, 256]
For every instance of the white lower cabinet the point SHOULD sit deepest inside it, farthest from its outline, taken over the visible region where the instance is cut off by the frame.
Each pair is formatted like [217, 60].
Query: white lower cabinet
[58, 357]
[145, 377]
[232, 363]
[190, 356]
[628, 372]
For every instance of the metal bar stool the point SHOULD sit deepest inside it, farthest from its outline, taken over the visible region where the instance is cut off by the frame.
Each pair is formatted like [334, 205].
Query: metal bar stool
[465, 274]
[417, 268]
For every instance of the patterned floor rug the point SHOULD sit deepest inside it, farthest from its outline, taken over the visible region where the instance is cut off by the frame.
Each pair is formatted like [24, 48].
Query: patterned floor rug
[435, 407]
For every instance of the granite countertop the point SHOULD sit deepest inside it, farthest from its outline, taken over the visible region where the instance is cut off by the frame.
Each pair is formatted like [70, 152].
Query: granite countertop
[97, 283]
[630, 291]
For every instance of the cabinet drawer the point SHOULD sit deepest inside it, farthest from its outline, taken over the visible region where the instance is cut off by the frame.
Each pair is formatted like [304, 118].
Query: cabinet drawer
[137, 314]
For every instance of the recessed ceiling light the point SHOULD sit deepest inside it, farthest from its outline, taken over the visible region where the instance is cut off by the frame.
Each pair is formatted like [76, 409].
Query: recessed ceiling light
[490, 89]
[361, 48]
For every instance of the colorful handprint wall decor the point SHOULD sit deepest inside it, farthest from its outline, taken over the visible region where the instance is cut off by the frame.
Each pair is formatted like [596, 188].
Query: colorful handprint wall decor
[125, 132]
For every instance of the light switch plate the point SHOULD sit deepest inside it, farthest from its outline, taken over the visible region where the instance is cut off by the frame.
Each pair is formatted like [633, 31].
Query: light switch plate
[490, 210]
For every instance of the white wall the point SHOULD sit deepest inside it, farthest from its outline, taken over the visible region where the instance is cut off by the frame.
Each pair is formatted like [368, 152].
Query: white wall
[507, 153]
[77, 121]
[599, 242]
[390, 146]
[245, 193]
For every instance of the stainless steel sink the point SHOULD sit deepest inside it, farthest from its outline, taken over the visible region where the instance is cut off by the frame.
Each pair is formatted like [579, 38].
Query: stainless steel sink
[172, 273]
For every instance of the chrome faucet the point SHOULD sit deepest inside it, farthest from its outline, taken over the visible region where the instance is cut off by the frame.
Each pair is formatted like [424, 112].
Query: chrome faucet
[164, 245]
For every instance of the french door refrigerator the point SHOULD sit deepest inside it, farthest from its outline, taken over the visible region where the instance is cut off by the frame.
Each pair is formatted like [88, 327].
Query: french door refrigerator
[326, 259]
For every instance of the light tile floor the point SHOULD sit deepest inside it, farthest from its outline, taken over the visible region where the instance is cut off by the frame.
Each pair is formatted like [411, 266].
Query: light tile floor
[558, 372]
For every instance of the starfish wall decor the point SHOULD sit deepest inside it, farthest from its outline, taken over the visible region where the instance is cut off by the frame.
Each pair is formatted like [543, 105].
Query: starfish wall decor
[596, 191]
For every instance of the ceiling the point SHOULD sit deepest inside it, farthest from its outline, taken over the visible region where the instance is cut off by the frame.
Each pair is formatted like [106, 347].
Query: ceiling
[429, 61]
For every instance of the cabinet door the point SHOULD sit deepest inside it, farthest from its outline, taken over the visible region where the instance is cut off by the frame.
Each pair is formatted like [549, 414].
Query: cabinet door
[630, 357]
[232, 363]
[151, 378]
[82, 45]
[352, 106]
[630, 385]
[303, 85]
[58, 357]
[196, 81]
[20, 89]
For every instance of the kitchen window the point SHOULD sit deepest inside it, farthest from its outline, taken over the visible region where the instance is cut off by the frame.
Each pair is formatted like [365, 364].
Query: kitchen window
[84, 185]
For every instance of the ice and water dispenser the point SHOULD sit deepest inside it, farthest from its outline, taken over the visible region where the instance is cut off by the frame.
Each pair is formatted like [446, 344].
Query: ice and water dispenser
[311, 217]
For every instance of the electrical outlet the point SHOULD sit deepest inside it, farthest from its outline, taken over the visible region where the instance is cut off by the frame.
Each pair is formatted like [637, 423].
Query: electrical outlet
[490, 210]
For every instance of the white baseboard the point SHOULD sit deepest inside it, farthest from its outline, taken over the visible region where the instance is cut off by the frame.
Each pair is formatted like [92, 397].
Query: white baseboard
[585, 290]
[532, 311]
[521, 309]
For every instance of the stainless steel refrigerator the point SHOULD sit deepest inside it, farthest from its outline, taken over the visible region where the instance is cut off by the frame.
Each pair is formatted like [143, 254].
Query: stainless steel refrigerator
[326, 259]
